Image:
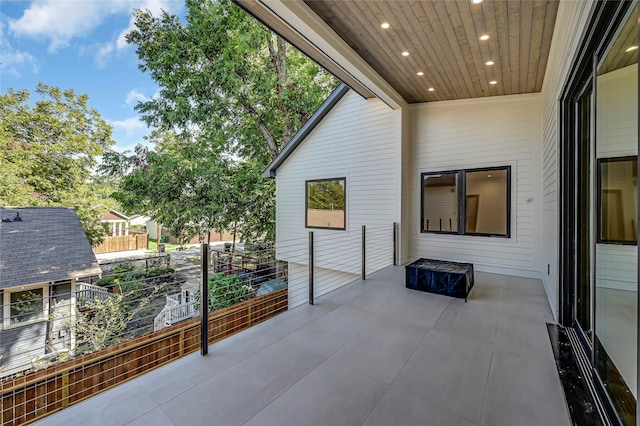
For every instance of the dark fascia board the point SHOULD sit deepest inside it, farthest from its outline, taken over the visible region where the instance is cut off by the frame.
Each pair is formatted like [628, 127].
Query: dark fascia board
[299, 137]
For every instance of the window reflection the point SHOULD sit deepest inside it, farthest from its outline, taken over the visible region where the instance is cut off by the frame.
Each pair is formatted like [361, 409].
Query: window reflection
[326, 203]
[486, 202]
[618, 200]
[440, 202]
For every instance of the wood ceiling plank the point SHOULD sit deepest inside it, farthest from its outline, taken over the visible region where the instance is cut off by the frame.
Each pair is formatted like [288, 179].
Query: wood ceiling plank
[503, 61]
[551, 10]
[475, 25]
[420, 19]
[395, 38]
[462, 23]
[447, 38]
[536, 33]
[525, 37]
[513, 28]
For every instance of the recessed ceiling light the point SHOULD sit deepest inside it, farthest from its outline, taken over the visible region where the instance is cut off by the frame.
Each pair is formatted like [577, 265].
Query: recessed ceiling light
[431, 89]
[489, 63]
[484, 37]
[405, 53]
[631, 49]
[493, 82]
[476, 1]
[488, 176]
[420, 73]
[384, 25]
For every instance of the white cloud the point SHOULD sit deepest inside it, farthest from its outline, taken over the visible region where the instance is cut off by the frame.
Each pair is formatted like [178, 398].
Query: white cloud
[59, 21]
[12, 60]
[102, 55]
[129, 126]
[133, 97]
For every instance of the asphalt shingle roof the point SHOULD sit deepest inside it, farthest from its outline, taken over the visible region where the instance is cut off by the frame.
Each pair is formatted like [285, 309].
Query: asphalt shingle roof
[49, 244]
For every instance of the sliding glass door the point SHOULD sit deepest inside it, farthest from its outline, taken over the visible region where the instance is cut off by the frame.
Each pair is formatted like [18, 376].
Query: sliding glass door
[615, 248]
[599, 205]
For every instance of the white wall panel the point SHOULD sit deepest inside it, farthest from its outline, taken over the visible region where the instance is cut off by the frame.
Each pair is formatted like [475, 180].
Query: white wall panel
[361, 140]
[499, 131]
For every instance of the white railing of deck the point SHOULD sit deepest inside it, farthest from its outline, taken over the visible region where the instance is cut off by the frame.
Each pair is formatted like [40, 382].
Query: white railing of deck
[87, 292]
[175, 310]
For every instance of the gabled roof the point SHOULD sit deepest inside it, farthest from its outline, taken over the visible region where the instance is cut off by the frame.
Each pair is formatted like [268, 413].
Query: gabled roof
[49, 244]
[114, 216]
[299, 137]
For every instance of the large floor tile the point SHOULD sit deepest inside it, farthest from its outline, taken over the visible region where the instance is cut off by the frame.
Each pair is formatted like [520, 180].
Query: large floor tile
[233, 396]
[382, 349]
[523, 391]
[334, 330]
[116, 406]
[453, 371]
[331, 395]
[469, 321]
[155, 417]
[417, 307]
[399, 409]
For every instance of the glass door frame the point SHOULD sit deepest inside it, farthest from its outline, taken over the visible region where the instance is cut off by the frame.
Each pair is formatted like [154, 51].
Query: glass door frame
[604, 20]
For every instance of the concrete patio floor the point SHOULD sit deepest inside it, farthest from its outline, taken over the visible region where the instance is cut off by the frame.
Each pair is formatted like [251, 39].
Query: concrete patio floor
[370, 353]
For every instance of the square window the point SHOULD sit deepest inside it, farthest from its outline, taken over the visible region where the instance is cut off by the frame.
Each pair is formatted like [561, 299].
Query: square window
[28, 304]
[326, 203]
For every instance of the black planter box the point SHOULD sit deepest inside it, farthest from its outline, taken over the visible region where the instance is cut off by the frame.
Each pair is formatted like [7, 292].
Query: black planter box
[440, 277]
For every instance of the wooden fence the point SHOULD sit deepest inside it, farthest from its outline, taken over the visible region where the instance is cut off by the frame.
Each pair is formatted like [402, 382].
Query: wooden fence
[123, 243]
[40, 393]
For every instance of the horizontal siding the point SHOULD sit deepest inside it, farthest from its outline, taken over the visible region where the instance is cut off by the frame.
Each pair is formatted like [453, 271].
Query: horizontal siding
[617, 267]
[467, 134]
[358, 139]
[570, 22]
[325, 280]
[617, 126]
[20, 345]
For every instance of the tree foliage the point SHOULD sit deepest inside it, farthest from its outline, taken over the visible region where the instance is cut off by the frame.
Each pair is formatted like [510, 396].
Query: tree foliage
[232, 94]
[326, 195]
[48, 150]
[226, 75]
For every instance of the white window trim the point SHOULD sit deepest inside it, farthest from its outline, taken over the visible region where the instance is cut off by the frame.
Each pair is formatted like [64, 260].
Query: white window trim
[7, 302]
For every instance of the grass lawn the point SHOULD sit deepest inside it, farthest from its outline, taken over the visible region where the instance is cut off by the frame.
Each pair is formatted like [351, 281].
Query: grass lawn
[168, 247]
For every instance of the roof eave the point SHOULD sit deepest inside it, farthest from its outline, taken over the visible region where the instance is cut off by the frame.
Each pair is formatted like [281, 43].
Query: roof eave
[299, 137]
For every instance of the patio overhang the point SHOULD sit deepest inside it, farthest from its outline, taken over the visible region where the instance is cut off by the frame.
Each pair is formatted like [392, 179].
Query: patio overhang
[431, 50]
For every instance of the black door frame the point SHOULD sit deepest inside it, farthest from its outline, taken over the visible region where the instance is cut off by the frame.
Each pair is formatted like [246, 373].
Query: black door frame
[604, 19]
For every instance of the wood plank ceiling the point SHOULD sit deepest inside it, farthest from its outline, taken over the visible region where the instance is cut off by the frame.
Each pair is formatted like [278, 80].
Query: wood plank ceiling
[442, 38]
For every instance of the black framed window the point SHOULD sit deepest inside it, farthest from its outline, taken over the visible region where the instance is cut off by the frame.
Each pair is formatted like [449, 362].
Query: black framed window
[467, 202]
[618, 200]
[325, 205]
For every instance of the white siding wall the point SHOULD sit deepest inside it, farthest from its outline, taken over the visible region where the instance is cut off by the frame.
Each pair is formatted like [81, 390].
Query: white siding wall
[570, 22]
[616, 136]
[358, 139]
[498, 131]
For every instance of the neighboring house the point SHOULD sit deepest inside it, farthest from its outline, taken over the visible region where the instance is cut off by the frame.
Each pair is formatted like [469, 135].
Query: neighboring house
[117, 222]
[42, 255]
[504, 134]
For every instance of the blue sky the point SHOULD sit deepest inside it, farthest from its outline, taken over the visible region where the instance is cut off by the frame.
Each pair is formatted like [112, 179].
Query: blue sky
[80, 45]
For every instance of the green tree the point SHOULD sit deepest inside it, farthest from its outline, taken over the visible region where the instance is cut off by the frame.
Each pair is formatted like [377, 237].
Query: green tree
[228, 76]
[48, 151]
[233, 94]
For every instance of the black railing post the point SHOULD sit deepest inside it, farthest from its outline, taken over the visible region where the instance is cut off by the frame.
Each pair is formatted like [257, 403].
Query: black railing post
[364, 273]
[395, 243]
[204, 300]
[311, 268]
